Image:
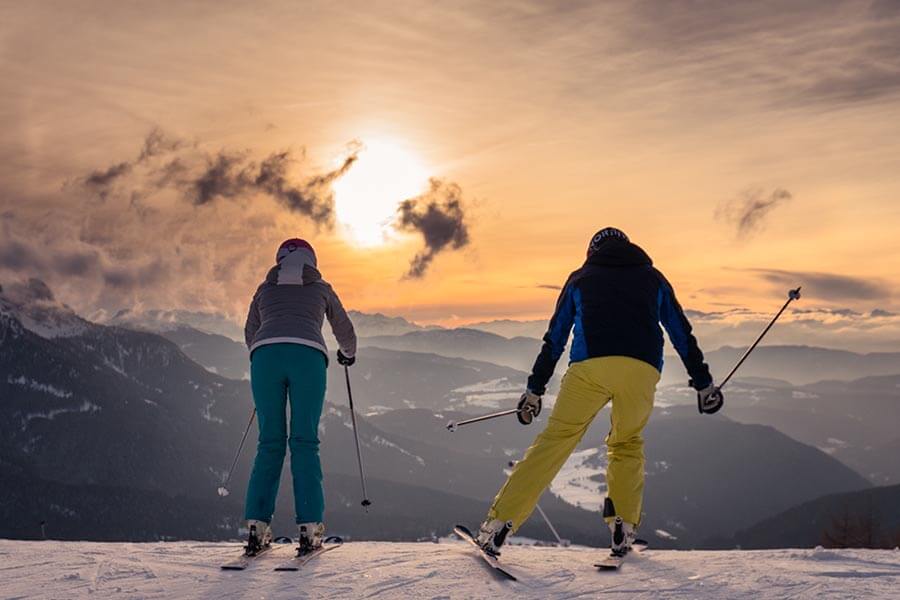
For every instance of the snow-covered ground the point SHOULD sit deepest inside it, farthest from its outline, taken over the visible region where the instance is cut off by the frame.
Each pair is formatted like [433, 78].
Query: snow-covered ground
[445, 570]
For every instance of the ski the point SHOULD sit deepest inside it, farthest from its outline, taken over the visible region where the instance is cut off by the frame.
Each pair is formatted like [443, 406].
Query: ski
[294, 564]
[492, 561]
[244, 560]
[614, 561]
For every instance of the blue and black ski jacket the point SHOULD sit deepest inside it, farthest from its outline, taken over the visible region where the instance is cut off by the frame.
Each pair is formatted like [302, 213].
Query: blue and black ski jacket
[615, 302]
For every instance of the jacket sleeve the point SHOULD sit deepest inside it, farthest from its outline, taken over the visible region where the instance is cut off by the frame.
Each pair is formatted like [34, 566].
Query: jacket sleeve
[340, 324]
[554, 340]
[251, 326]
[679, 329]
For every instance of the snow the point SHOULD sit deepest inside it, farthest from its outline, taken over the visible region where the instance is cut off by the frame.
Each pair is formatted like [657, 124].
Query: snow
[494, 393]
[38, 386]
[48, 323]
[427, 570]
[493, 385]
[380, 440]
[662, 533]
[84, 407]
[579, 483]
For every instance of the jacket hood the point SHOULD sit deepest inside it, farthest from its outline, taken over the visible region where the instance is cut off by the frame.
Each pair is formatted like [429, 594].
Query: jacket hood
[294, 269]
[619, 253]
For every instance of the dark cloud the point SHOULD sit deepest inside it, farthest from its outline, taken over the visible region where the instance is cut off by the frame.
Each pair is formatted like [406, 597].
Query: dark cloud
[748, 211]
[66, 262]
[77, 263]
[207, 178]
[223, 178]
[548, 286]
[17, 256]
[439, 216]
[827, 286]
[100, 180]
[158, 143]
[313, 198]
[880, 312]
[130, 278]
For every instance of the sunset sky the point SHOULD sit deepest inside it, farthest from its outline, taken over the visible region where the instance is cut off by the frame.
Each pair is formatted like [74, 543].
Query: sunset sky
[747, 146]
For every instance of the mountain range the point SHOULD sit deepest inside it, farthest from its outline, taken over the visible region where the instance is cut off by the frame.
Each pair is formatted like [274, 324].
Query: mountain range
[107, 422]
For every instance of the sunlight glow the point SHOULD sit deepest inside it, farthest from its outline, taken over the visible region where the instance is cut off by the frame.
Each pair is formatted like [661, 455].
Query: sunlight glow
[366, 198]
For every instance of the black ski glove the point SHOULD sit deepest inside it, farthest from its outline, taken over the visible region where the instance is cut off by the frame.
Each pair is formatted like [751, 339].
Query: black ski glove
[710, 400]
[347, 361]
[529, 407]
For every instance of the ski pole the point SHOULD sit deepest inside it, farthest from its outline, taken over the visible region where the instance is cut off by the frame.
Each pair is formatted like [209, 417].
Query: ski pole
[559, 540]
[454, 425]
[362, 478]
[223, 489]
[792, 295]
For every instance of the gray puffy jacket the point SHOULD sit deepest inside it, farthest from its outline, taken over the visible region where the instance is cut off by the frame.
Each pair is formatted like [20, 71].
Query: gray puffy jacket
[290, 307]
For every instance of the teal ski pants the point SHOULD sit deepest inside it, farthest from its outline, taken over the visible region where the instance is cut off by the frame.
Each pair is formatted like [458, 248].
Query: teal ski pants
[278, 373]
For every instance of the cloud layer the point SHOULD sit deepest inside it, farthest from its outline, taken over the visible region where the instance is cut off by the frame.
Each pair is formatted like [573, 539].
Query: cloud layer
[177, 226]
[828, 287]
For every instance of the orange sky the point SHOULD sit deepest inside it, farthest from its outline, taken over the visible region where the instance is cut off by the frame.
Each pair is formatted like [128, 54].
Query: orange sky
[652, 116]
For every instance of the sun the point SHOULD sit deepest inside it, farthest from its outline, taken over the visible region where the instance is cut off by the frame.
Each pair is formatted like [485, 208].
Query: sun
[366, 198]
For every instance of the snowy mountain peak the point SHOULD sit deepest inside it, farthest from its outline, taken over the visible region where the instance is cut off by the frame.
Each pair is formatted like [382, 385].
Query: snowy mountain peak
[33, 304]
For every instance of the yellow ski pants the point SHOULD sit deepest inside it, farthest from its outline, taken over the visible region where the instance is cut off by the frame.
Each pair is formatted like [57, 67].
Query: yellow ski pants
[586, 388]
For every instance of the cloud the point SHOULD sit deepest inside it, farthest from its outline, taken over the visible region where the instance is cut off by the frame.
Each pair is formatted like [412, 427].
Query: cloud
[802, 325]
[548, 286]
[748, 211]
[158, 143]
[16, 256]
[134, 277]
[101, 180]
[829, 287]
[222, 178]
[28, 291]
[204, 178]
[439, 216]
[313, 198]
[76, 260]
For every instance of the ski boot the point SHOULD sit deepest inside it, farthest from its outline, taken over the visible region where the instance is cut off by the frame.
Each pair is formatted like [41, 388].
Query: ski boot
[259, 539]
[311, 536]
[623, 535]
[492, 535]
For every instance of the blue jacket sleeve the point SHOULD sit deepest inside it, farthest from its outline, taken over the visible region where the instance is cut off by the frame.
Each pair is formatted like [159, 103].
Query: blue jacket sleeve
[679, 329]
[554, 340]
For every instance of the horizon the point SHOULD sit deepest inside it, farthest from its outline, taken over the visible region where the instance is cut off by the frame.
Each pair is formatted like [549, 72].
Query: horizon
[829, 329]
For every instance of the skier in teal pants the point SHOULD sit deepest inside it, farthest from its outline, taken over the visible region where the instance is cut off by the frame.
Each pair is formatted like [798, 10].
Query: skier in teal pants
[288, 358]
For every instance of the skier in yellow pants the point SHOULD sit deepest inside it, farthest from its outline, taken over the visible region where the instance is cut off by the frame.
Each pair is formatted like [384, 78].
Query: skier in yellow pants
[615, 303]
